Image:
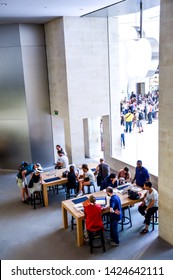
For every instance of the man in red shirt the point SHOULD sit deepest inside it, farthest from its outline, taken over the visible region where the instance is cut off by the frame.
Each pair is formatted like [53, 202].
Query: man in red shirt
[93, 215]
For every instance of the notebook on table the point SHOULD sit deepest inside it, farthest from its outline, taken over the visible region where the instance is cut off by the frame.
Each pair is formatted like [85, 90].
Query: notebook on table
[79, 203]
[80, 199]
[52, 179]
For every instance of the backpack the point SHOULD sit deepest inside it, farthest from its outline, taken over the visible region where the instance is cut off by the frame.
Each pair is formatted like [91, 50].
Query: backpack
[133, 195]
[141, 116]
[21, 168]
[23, 165]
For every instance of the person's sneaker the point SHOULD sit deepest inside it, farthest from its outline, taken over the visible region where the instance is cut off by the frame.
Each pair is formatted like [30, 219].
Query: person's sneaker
[112, 243]
[80, 193]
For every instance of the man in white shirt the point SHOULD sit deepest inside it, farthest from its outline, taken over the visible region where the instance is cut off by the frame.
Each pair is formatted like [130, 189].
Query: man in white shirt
[149, 205]
[63, 161]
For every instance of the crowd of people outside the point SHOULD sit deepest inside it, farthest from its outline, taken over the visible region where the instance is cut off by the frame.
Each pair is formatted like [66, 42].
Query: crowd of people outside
[137, 109]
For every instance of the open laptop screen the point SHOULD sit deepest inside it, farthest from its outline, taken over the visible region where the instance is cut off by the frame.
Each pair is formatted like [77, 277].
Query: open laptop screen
[101, 201]
[122, 187]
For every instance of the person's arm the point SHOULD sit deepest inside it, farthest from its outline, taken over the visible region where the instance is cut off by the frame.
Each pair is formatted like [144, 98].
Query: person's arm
[41, 179]
[143, 199]
[115, 209]
[134, 178]
[129, 178]
[24, 174]
[150, 204]
[97, 170]
[147, 175]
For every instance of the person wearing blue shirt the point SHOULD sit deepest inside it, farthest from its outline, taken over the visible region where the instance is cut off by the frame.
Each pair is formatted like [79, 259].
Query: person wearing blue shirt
[110, 180]
[141, 174]
[24, 170]
[115, 216]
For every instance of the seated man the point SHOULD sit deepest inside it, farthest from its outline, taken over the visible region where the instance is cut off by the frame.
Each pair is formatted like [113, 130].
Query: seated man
[149, 205]
[109, 181]
[93, 214]
[62, 161]
[124, 176]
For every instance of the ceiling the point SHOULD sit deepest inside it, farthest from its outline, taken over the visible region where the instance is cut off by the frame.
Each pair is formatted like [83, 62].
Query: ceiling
[42, 11]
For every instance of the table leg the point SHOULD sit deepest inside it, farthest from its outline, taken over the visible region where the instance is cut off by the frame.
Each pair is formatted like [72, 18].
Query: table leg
[64, 217]
[79, 232]
[45, 196]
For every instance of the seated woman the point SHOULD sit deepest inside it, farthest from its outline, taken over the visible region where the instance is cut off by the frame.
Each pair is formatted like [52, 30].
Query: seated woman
[87, 179]
[35, 180]
[149, 205]
[72, 180]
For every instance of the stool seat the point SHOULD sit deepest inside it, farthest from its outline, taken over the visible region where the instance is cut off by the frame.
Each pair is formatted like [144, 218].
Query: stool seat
[89, 187]
[96, 240]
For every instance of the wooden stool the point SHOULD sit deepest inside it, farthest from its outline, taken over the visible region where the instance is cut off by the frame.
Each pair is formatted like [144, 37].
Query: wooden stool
[96, 240]
[106, 221]
[126, 220]
[73, 223]
[37, 198]
[72, 193]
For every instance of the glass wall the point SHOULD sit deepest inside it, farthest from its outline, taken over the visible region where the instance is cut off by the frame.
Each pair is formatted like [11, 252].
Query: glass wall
[137, 45]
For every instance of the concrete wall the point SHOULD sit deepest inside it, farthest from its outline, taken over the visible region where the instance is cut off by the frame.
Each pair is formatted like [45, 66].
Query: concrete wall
[165, 122]
[77, 52]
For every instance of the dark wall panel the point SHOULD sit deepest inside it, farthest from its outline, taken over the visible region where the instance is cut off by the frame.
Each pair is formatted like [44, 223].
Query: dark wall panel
[14, 140]
[25, 120]
[37, 93]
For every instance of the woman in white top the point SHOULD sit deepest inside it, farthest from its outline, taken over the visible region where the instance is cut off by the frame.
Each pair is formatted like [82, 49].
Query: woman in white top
[87, 179]
[149, 205]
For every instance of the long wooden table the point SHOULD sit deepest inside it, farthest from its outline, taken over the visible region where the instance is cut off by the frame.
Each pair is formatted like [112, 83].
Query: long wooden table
[51, 175]
[68, 207]
[57, 173]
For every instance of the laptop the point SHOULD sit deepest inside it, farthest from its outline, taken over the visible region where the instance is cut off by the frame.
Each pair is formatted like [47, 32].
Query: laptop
[124, 188]
[101, 201]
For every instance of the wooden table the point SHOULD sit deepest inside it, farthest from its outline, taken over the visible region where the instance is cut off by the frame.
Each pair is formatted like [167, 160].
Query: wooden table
[68, 207]
[50, 175]
[58, 173]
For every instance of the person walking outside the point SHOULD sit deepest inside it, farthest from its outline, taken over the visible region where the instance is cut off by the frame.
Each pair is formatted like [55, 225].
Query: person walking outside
[128, 119]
